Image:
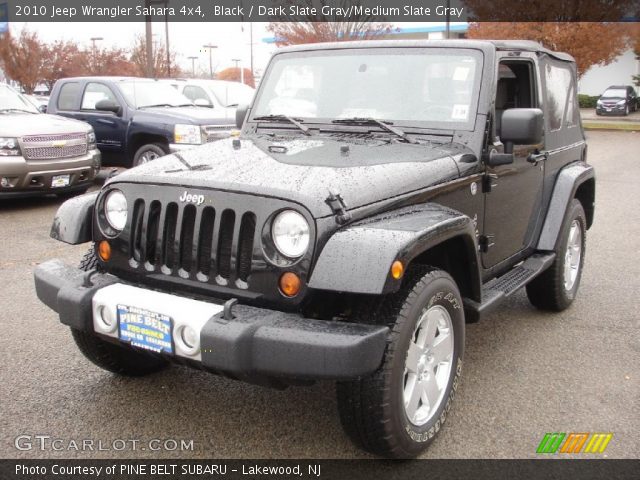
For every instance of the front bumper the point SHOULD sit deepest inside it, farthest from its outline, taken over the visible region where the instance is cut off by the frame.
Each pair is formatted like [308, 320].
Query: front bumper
[31, 177]
[256, 342]
[610, 110]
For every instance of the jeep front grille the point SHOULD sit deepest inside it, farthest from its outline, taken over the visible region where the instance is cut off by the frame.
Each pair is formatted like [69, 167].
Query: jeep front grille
[49, 147]
[199, 243]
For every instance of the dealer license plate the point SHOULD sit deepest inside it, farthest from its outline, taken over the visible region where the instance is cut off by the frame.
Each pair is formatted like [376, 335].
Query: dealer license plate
[60, 181]
[145, 329]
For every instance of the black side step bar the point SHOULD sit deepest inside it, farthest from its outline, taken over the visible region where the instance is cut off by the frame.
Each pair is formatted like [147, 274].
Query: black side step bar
[496, 290]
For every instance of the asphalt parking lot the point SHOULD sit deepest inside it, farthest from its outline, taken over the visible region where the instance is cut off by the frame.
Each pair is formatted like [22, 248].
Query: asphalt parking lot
[526, 372]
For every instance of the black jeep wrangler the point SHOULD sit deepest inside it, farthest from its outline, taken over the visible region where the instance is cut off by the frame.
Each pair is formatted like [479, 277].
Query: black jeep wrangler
[380, 195]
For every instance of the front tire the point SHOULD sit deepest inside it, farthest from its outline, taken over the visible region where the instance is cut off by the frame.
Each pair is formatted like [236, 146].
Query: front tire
[556, 288]
[109, 356]
[148, 153]
[398, 411]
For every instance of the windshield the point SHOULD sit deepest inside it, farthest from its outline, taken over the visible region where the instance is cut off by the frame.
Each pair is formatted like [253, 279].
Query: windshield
[231, 94]
[147, 94]
[615, 93]
[431, 87]
[12, 101]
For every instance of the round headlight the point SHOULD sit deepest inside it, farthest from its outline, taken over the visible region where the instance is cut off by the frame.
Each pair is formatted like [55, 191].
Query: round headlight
[115, 210]
[290, 232]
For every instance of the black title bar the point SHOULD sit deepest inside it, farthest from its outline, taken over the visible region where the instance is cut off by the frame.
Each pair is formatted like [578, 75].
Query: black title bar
[586, 469]
[319, 10]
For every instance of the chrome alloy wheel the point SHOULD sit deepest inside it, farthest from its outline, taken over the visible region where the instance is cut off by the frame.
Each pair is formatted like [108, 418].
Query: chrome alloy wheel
[428, 365]
[573, 255]
[147, 157]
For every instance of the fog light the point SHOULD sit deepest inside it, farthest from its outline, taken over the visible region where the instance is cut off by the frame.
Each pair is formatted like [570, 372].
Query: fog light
[107, 321]
[187, 339]
[104, 250]
[397, 269]
[290, 284]
[4, 182]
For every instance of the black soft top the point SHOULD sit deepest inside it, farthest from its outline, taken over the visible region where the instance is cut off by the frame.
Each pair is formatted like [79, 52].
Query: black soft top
[501, 45]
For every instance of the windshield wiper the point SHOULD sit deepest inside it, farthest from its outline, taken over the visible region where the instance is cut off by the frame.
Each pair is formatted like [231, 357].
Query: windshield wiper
[157, 105]
[15, 110]
[384, 124]
[286, 118]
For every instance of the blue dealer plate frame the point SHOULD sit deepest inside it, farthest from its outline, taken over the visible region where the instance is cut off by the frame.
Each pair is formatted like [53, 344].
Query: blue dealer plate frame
[145, 329]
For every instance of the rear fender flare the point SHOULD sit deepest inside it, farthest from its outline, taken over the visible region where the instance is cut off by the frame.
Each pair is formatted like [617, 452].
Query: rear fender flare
[567, 183]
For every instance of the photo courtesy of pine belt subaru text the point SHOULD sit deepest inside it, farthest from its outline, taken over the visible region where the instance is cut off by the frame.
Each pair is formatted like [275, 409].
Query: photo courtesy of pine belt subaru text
[380, 196]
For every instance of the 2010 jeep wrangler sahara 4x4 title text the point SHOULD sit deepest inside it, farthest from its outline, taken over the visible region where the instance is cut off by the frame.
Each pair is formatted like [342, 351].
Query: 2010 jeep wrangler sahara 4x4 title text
[381, 195]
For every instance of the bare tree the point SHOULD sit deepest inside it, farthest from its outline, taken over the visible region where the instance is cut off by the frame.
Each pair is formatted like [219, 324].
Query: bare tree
[22, 58]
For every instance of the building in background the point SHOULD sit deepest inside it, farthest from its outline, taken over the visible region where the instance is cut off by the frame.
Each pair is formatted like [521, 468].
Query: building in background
[619, 72]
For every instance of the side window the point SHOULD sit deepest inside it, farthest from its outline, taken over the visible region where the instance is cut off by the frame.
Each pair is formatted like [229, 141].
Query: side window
[68, 96]
[94, 93]
[193, 93]
[515, 88]
[559, 96]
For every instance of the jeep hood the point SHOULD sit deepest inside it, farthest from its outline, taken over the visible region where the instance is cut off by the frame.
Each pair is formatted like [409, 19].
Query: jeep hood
[21, 124]
[305, 170]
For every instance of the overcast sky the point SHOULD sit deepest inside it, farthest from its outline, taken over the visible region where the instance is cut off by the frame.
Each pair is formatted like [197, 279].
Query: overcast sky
[185, 38]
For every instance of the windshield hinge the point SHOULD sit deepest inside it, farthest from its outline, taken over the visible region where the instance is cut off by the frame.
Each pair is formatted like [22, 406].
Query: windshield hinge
[488, 183]
[485, 242]
[338, 207]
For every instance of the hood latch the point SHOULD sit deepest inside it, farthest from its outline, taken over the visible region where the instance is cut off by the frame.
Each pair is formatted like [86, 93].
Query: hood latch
[338, 207]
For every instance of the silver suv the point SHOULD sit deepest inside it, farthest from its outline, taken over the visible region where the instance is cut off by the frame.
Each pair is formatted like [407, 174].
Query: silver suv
[41, 153]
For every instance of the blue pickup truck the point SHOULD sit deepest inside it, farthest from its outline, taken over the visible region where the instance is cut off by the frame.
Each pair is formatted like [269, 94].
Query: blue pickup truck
[136, 120]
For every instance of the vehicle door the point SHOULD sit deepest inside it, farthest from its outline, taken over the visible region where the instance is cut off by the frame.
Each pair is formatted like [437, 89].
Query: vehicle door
[512, 206]
[110, 127]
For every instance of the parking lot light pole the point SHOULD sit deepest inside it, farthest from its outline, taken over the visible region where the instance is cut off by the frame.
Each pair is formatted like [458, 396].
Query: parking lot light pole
[237, 62]
[93, 48]
[210, 47]
[193, 66]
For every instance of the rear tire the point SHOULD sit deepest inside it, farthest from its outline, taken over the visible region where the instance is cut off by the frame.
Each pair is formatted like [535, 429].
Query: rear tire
[110, 356]
[148, 153]
[556, 288]
[398, 411]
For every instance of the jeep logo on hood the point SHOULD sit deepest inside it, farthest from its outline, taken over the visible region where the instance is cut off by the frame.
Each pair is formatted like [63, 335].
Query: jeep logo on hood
[189, 198]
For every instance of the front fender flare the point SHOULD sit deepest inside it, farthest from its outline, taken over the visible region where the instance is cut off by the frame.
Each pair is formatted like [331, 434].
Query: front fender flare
[73, 220]
[357, 258]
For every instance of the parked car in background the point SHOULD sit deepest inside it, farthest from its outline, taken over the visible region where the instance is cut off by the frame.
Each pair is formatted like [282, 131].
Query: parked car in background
[618, 100]
[39, 101]
[42, 154]
[220, 95]
[136, 120]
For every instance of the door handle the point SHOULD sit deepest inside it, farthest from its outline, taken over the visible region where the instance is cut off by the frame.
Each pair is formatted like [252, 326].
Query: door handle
[537, 157]
[105, 121]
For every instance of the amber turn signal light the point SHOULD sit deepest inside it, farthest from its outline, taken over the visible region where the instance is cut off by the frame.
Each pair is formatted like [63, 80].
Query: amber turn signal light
[397, 269]
[290, 284]
[104, 250]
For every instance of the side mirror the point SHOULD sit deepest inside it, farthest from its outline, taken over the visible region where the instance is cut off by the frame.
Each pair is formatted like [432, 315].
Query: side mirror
[241, 113]
[108, 106]
[521, 126]
[42, 108]
[202, 102]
